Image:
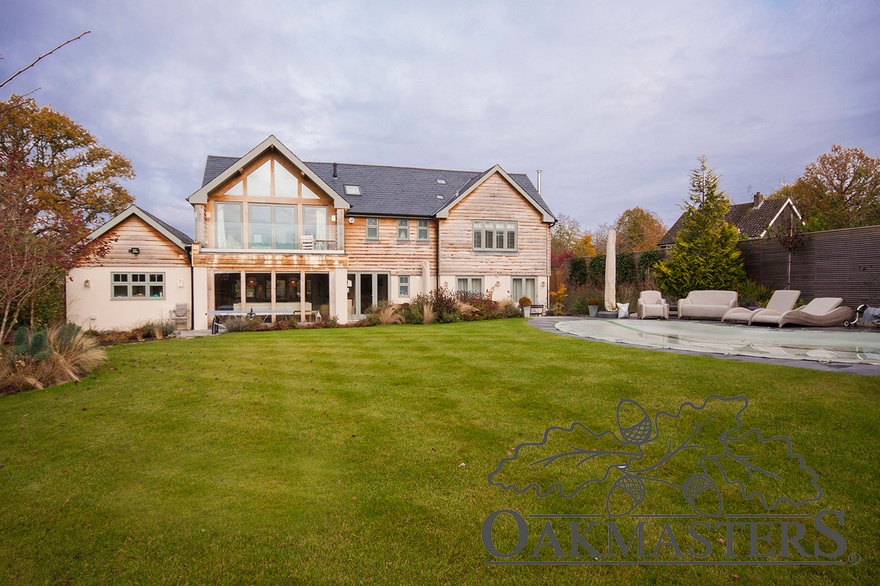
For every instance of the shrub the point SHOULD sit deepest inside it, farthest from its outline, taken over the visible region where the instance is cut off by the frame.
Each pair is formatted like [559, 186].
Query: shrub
[157, 329]
[524, 301]
[42, 358]
[647, 260]
[287, 323]
[507, 309]
[383, 314]
[753, 294]
[577, 273]
[625, 271]
[241, 323]
[597, 271]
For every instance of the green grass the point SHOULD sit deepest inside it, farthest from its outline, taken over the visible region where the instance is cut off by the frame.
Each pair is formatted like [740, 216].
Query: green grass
[334, 456]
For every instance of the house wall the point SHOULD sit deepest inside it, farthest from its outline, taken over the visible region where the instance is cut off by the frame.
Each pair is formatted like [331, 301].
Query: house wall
[89, 293]
[495, 199]
[90, 302]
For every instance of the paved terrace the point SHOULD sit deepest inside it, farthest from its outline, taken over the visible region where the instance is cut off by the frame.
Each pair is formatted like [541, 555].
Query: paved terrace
[851, 350]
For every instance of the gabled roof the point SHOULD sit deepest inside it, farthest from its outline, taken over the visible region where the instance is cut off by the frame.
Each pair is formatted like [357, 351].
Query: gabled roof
[174, 235]
[211, 181]
[394, 191]
[751, 220]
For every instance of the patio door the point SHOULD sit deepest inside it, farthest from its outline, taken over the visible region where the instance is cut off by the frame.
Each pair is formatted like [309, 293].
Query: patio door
[367, 289]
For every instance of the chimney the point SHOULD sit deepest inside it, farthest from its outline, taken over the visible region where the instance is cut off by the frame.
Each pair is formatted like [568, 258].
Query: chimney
[539, 182]
[334, 170]
[759, 199]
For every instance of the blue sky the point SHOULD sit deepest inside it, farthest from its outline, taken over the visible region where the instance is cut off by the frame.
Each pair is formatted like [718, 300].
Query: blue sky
[614, 101]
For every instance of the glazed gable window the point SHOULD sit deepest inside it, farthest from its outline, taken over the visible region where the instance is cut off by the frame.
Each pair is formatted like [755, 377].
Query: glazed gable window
[494, 235]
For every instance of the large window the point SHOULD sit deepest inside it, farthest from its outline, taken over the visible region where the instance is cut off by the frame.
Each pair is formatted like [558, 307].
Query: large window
[469, 284]
[315, 225]
[228, 223]
[138, 286]
[523, 287]
[495, 236]
[272, 226]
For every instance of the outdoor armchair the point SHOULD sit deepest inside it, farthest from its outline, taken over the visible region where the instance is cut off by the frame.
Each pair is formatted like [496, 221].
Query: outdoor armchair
[652, 304]
[782, 300]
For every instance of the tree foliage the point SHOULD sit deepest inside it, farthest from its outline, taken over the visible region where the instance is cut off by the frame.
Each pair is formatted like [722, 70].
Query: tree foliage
[56, 184]
[841, 189]
[705, 254]
[639, 229]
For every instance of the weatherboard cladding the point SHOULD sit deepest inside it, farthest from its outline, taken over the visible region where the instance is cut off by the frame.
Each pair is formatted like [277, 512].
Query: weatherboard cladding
[181, 235]
[390, 191]
[748, 219]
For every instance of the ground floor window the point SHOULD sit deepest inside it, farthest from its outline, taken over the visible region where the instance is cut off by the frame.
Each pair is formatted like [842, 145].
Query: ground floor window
[403, 286]
[523, 287]
[469, 284]
[245, 291]
[138, 285]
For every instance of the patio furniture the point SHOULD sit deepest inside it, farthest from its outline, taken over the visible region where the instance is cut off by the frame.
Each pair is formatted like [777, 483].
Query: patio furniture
[536, 311]
[652, 304]
[180, 316]
[782, 300]
[821, 312]
[707, 304]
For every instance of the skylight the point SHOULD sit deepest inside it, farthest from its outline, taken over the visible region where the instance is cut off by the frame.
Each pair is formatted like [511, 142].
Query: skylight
[352, 190]
[441, 181]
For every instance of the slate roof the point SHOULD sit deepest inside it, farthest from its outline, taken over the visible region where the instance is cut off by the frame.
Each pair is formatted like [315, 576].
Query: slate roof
[748, 219]
[181, 235]
[390, 191]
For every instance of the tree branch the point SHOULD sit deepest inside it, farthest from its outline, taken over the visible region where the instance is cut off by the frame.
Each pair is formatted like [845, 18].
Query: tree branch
[20, 71]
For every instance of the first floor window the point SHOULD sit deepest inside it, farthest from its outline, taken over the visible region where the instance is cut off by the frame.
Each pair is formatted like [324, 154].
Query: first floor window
[403, 229]
[423, 230]
[403, 286]
[138, 286]
[469, 284]
[523, 287]
[272, 226]
[372, 228]
[495, 236]
[229, 228]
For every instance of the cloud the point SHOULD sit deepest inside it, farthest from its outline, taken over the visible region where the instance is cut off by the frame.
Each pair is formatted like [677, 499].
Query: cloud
[614, 102]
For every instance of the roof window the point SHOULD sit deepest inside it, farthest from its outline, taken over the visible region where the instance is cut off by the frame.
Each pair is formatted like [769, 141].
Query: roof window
[441, 181]
[352, 190]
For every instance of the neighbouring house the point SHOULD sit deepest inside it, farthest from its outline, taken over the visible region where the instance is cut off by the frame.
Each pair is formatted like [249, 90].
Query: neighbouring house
[755, 219]
[278, 235]
[144, 276]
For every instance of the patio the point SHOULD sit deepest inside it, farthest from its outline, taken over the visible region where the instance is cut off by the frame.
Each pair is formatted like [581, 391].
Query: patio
[839, 349]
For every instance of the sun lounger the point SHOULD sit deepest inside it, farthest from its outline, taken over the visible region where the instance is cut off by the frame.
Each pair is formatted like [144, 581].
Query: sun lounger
[822, 312]
[782, 300]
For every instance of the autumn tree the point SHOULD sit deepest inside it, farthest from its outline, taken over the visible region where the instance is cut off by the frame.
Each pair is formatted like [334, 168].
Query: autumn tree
[639, 229]
[841, 189]
[705, 253]
[56, 184]
[600, 237]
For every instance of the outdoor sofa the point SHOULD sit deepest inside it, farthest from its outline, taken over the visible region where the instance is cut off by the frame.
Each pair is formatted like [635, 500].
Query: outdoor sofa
[707, 304]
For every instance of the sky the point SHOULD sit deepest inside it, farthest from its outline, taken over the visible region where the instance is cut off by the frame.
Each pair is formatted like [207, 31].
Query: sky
[614, 101]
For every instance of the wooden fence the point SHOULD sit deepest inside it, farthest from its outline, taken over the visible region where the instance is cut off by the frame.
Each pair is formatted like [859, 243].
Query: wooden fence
[833, 263]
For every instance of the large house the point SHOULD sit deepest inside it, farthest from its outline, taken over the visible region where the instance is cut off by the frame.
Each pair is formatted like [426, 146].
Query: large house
[278, 235]
[754, 219]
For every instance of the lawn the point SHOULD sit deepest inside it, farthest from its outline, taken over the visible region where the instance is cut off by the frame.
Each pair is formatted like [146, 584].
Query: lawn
[347, 456]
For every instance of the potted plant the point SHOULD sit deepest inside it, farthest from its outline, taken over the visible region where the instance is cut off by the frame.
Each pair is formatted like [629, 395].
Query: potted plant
[526, 305]
[593, 306]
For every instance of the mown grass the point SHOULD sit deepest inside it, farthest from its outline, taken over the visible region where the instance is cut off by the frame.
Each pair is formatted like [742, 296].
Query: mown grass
[335, 456]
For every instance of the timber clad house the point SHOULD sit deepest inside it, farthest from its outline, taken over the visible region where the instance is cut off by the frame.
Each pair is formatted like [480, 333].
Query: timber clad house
[279, 236]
